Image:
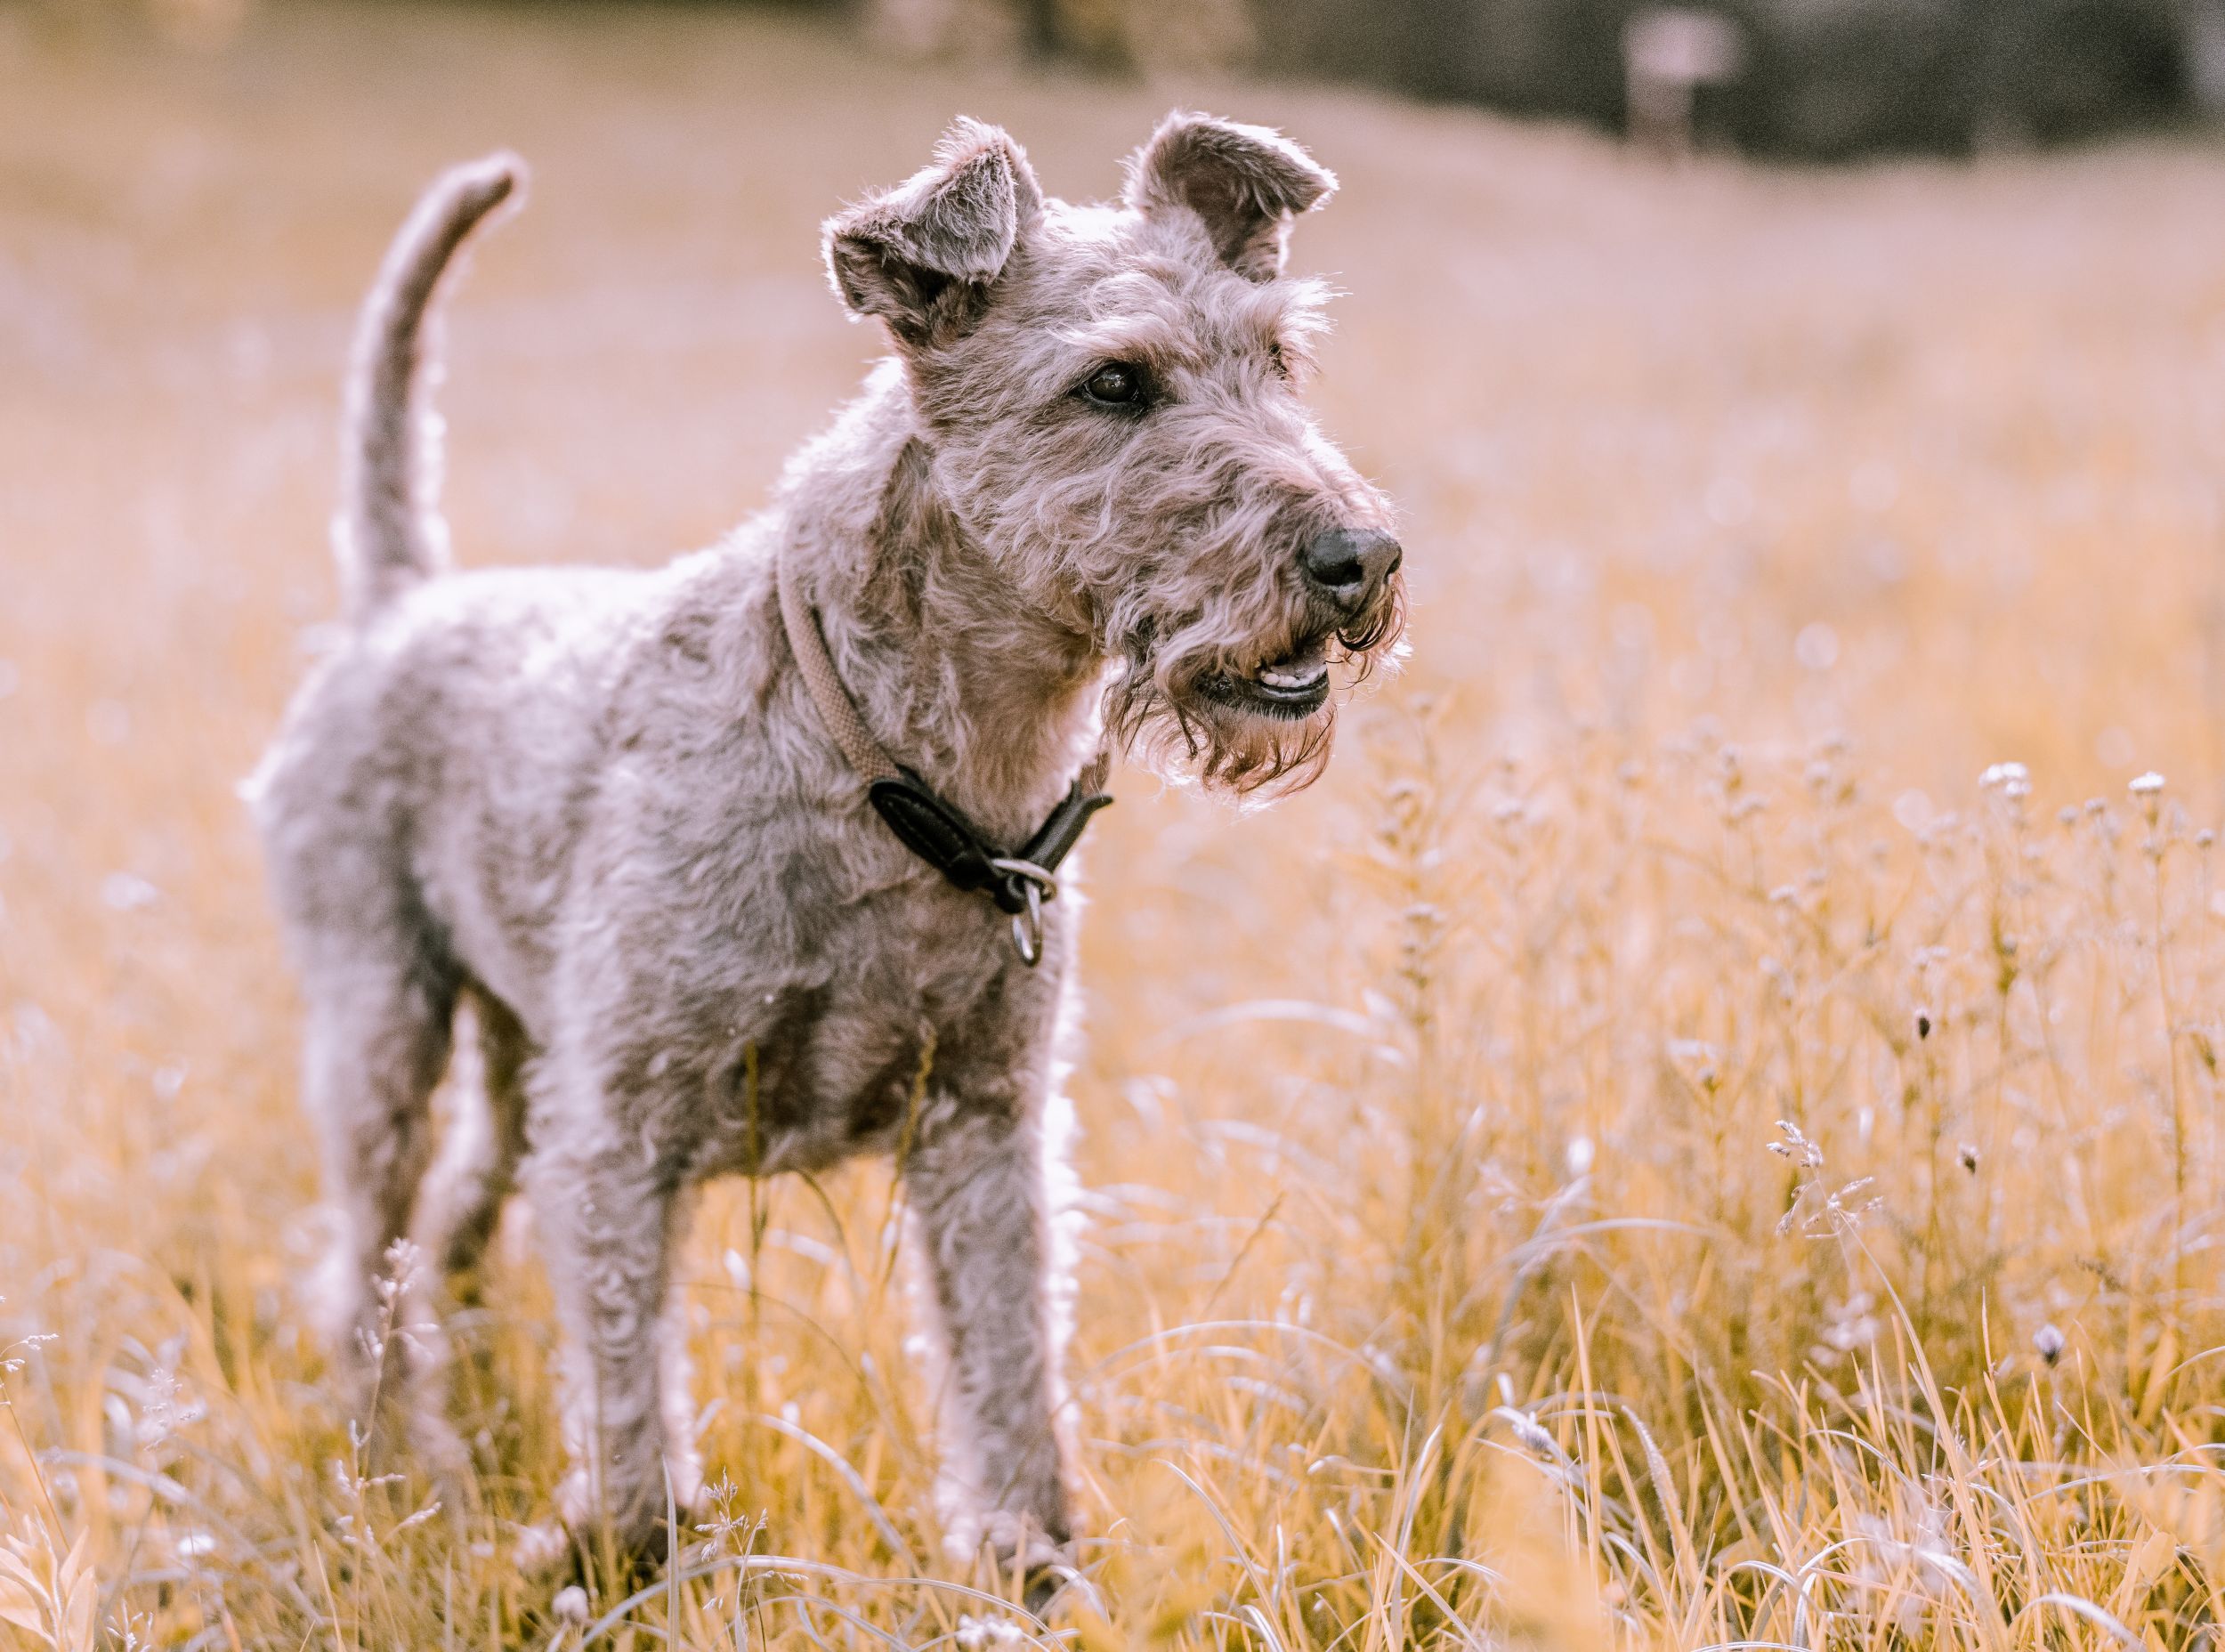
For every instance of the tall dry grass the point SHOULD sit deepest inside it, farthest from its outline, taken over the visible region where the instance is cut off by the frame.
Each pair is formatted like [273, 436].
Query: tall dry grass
[1655, 1151]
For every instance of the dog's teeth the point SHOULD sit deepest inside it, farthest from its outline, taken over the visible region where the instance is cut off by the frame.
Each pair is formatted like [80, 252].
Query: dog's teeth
[1276, 677]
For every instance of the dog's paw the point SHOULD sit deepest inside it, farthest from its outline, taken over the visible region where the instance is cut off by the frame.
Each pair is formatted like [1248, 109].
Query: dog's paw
[588, 1548]
[1044, 1565]
[1048, 1577]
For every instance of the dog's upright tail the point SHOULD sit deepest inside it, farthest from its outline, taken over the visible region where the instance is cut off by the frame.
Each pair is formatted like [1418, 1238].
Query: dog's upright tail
[389, 533]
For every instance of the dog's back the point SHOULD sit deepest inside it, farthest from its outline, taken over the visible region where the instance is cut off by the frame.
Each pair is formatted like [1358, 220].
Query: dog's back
[439, 756]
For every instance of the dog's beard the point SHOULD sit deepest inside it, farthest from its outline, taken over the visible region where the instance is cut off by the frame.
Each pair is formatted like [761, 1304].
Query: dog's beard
[1255, 723]
[1197, 737]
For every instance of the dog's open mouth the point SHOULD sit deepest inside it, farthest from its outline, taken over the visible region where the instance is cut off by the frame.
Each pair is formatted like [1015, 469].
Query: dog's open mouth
[1293, 685]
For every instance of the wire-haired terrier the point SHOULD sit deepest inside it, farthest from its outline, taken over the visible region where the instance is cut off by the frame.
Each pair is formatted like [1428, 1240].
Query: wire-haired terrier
[747, 864]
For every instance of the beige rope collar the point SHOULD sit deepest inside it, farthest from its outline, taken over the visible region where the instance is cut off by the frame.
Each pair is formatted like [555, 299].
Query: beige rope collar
[837, 709]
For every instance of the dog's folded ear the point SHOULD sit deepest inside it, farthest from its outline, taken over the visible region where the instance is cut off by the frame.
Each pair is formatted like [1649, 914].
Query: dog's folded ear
[922, 255]
[1245, 182]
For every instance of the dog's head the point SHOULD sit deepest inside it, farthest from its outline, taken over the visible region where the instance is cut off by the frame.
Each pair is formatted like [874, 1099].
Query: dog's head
[1112, 400]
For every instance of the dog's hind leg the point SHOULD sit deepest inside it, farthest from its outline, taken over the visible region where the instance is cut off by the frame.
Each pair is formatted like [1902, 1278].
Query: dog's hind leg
[458, 1209]
[477, 1167]
[380, 1004]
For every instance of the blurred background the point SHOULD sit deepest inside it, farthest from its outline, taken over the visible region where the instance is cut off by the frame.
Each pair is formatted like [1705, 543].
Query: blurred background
[1807, 423]
[1817, 79]
[1829, 79]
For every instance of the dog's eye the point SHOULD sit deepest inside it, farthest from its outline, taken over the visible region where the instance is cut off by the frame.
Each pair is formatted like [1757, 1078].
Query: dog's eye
[1115, 384]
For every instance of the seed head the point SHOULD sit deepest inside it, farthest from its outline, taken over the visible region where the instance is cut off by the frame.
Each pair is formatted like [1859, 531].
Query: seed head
[2148, 792]
[2012, 780]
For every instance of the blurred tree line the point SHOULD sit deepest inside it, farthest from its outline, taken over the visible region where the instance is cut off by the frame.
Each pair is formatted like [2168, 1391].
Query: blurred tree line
[1814, 79]
[1823, 79]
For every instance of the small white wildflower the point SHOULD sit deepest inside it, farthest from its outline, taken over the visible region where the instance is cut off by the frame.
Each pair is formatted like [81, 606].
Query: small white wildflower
[1782, 978]
[1526, 1430]
[973, 1633]
[1840, 1214]
[2047, 1342]
[1796, 1147]
[570, 1604]
[165, 1406]
[127, 892]
[2146, 785]
[1817, 647]
[1852, 1325]
[1698, 1055]
[2003, 774]
[1580, 1154]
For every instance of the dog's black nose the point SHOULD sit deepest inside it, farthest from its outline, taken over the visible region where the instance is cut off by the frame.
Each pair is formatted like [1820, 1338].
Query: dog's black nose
[1348, 565]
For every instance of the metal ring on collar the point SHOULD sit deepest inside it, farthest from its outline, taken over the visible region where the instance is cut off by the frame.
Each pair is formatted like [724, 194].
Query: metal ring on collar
[1027, 929]
[1035, 877]
[1027, 926]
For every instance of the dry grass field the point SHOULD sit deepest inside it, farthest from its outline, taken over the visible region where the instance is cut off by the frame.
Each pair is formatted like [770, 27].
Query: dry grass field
[1654, 1152]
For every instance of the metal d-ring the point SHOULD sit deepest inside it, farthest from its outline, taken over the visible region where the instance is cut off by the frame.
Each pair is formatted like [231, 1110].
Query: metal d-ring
[1027, 926]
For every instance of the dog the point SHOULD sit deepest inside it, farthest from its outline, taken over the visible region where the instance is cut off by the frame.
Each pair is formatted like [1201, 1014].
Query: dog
[748, 864]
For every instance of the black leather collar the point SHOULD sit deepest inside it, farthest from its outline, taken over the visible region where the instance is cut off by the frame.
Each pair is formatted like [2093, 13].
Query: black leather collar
[938, 832]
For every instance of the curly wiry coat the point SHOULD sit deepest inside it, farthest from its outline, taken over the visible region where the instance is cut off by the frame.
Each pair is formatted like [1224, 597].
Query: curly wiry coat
[600, 807]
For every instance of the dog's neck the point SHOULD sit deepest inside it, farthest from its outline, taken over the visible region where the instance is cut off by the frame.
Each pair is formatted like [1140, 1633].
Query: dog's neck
[989, 701]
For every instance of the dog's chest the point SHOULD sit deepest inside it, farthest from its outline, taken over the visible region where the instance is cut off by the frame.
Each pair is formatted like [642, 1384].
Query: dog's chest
[914, 1023]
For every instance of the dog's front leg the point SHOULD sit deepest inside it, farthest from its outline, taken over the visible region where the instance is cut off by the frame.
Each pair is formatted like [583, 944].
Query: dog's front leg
[980, 1217]
[607, 1222]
